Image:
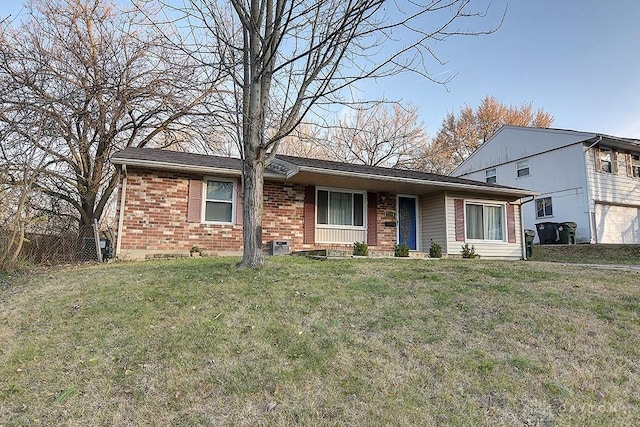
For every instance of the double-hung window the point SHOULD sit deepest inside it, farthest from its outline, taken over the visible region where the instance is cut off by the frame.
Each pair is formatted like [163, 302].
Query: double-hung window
[635, 165]
[340, 208]
[522, 168]
[490, 176]
[485, 221]
[544, 207]
[219, 201]
[605, 160]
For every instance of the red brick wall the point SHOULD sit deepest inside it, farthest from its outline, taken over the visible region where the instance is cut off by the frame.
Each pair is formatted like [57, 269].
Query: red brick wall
[386, 214]
[155, 217]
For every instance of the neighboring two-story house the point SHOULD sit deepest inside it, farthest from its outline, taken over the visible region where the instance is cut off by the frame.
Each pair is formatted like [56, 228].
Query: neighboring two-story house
[583, 177]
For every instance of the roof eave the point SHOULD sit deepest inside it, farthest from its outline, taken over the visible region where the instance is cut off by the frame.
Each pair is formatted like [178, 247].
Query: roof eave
[178, 167]
[291, 168]
[448, 185]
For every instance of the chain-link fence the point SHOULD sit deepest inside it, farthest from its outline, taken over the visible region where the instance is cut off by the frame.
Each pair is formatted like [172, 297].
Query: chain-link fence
[82, 244]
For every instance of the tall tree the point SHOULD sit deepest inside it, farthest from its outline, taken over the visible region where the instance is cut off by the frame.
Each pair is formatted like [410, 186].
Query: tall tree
[461, 134]
[286, 57]
[89, 79]
[382, 135]
[388, 135]
[21, 164]
[306, 140]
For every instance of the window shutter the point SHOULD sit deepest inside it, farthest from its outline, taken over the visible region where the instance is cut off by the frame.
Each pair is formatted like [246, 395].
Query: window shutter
[459, 219]
[628, 163]
[596, 153]
[239, 203]
[372, 219]
[194, 204]
[310, 214]
[614, 161]
[511, 223]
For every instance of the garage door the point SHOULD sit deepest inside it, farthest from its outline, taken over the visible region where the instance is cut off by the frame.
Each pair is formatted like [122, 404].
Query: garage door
[617, 224]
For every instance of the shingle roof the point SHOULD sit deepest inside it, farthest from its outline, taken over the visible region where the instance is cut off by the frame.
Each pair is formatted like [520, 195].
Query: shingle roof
[148, 157]
[381, 171]
[176, 157]
[167, 158]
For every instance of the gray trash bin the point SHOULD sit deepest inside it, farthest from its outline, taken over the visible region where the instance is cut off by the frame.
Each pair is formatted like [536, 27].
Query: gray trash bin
[567, 232]
[529, 236]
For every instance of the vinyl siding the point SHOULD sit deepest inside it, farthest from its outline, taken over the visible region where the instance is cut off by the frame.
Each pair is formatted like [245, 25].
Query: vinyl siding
[433, 217]
[486, 249]
[550, 176]
[336, 235]
[613, 198]
[511, 144]
[611, 188]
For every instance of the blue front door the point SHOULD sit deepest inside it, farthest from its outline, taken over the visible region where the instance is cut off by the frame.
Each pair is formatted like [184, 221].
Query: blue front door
[407, 229]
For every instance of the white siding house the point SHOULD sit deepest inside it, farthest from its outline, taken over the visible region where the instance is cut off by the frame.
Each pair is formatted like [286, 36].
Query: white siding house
[587, 178]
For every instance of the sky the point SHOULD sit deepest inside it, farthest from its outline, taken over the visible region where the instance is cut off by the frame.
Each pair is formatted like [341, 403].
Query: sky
[579, 60]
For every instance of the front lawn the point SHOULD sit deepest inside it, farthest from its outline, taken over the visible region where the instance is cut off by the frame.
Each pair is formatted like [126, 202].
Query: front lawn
[335, 342]
[600, 253]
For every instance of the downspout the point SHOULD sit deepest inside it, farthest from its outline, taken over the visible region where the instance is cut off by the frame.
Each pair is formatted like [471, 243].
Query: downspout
[591, 146]
[522, 235]
[592, 220]
[123, 192]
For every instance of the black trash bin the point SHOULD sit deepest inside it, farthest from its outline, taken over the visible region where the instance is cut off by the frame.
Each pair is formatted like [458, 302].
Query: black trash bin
[547, 232]
[529, 235]
[567, 232]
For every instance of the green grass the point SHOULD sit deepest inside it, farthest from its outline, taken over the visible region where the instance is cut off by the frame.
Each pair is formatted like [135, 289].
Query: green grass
[588, 254]
[336, 342]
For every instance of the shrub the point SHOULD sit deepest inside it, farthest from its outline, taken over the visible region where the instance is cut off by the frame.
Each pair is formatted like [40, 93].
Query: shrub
[435, 250]
[360, 249]
[468, 252]
[401, 250]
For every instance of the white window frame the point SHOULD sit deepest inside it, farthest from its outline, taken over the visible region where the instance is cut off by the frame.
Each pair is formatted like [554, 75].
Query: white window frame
[541, 199]
[234, 201]
[491, 176]
[521, 166]
[349, 191]
[484, 203]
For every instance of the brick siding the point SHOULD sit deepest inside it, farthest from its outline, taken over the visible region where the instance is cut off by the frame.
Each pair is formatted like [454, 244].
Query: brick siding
[155, 218]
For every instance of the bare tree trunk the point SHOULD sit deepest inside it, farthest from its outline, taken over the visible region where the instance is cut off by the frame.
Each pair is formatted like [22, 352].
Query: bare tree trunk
[10, 254]
[20, 243]
[289, 57]
[253, 204]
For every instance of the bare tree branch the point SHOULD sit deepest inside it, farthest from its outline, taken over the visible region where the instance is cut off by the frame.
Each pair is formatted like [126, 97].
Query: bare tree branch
[283, 58]
[90, 79]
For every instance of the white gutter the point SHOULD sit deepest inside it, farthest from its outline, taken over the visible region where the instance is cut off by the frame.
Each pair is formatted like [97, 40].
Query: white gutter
[176, 167]
[452, 185]
[523, 236]
[201, 170]
[123, 193]
[591, 146]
